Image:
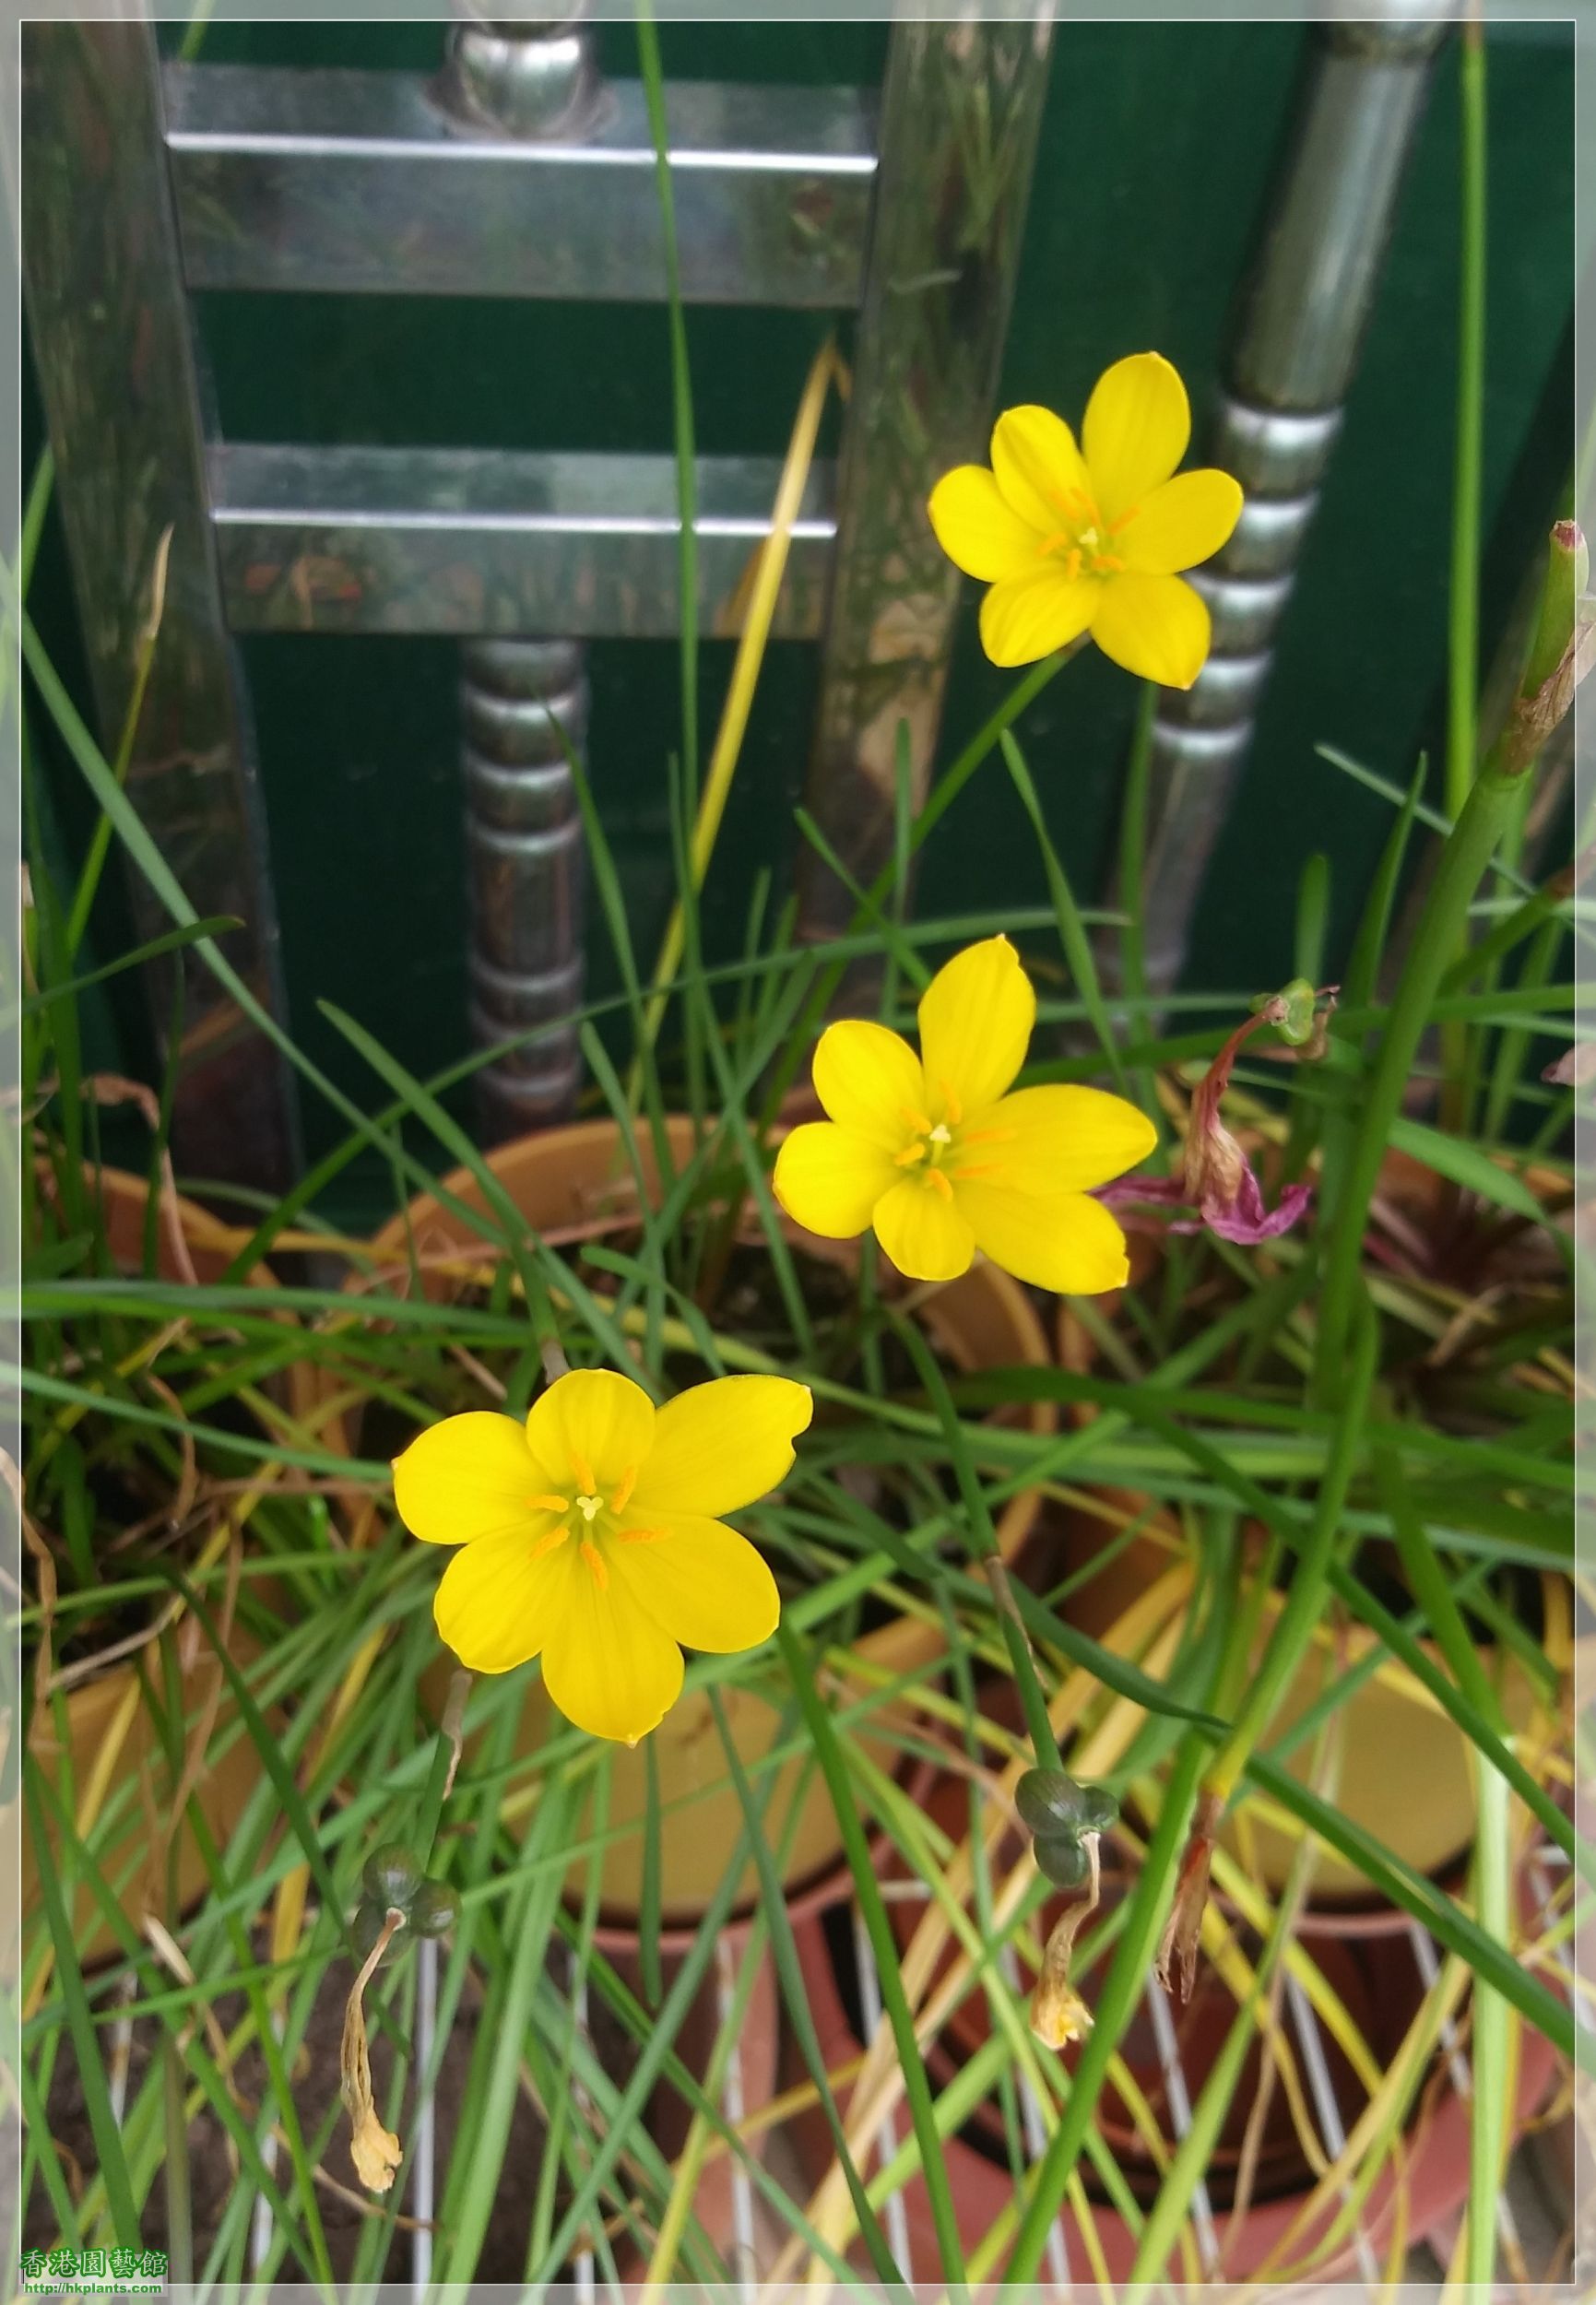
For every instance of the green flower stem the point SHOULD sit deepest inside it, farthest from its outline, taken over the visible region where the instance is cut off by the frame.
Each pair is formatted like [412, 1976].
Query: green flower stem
[1306, 1599]
[1488, 2109]
[982, 1539]
[1464, 860]
[441, 1775]
[1122, 1989]
[1463, 629]
[941, 798]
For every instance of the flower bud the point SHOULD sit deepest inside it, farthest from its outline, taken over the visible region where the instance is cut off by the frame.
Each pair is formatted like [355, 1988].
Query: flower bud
[1567, 574]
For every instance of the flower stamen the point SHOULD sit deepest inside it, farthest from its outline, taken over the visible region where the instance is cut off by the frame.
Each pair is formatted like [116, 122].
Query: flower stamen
[952, 1104]
[920, 1122]
[935, 1176]
[596, 1562]
[623, 1493]
[551, 1542]
[990, 1136]
[908, 1157]
[642, 1536]
[978, 1168]
[583, 1471]
[549, 1504]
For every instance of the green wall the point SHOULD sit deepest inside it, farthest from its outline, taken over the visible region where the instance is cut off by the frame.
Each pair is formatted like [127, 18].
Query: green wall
[1156, 154]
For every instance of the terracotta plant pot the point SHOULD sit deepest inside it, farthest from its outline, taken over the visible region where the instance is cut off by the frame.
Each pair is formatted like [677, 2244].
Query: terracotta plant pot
[563, 1182]
[1406, 1771]
[982, 2187]
[750, 2086]
[1200, 2027]
[111, 1740]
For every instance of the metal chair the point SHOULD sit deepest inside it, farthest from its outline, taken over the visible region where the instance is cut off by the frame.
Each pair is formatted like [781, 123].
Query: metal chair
[516, 171]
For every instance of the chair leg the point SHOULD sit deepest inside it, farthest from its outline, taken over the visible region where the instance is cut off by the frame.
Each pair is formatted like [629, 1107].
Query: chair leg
[118, 375]
[524, 701]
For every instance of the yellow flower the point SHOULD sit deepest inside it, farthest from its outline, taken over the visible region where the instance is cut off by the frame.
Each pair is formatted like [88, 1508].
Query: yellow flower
[1090, 539]
[590, 1536]
[935, 1153]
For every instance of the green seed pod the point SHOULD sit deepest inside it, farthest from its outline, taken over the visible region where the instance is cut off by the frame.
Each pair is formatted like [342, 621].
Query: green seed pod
[1296, 1027]
[391, 1876]
[1048, 1801]
[367, 1926]
[1099, 1809]
[434, 1908]
[1063, 1860]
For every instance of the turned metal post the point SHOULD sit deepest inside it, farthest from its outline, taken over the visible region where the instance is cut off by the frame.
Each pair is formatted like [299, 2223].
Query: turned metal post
[524, 702]
[1300, 328]
[961, 111]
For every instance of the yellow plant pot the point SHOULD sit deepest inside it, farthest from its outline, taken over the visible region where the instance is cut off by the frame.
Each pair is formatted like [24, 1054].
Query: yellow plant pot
[1405, 1771]
[563, 1182]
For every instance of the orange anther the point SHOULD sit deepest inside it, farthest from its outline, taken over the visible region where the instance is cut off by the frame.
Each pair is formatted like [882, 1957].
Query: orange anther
[628, 1482]
[982, 1168]
[1110, 560]
[1121, 520]
[908, 1157]
[547, 1504]
[956, 1109]
[549, 1544]
[935, 1176]
[990, 1136]
[596, 1562]
[583, 1471]
[642, 1536]
[907, 1114]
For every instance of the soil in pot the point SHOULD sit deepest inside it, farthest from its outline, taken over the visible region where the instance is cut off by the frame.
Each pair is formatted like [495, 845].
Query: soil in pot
[345, 2215]
[563, 1183]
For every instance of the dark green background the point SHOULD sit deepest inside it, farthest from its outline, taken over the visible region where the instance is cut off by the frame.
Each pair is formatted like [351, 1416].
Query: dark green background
[1156, 155]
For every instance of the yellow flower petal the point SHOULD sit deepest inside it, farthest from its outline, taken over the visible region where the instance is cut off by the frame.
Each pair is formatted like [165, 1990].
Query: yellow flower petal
[1156, 627]
[975, 1019]
[1037, 468]
[1065, 1240]
[703, 1583]
[1028, 615]
[864, 1076]
[1138, 424]
[470, 1476]
[924, 1233]
[829, 1179]
[1060, 1140]
[612, 1671]
[1181, 523]
[497, 1605]
[976, 527]
[719, 1446]
[591, 1420]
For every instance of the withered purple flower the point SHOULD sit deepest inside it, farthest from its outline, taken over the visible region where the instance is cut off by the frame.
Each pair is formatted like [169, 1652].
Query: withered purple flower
[1215, 1177]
